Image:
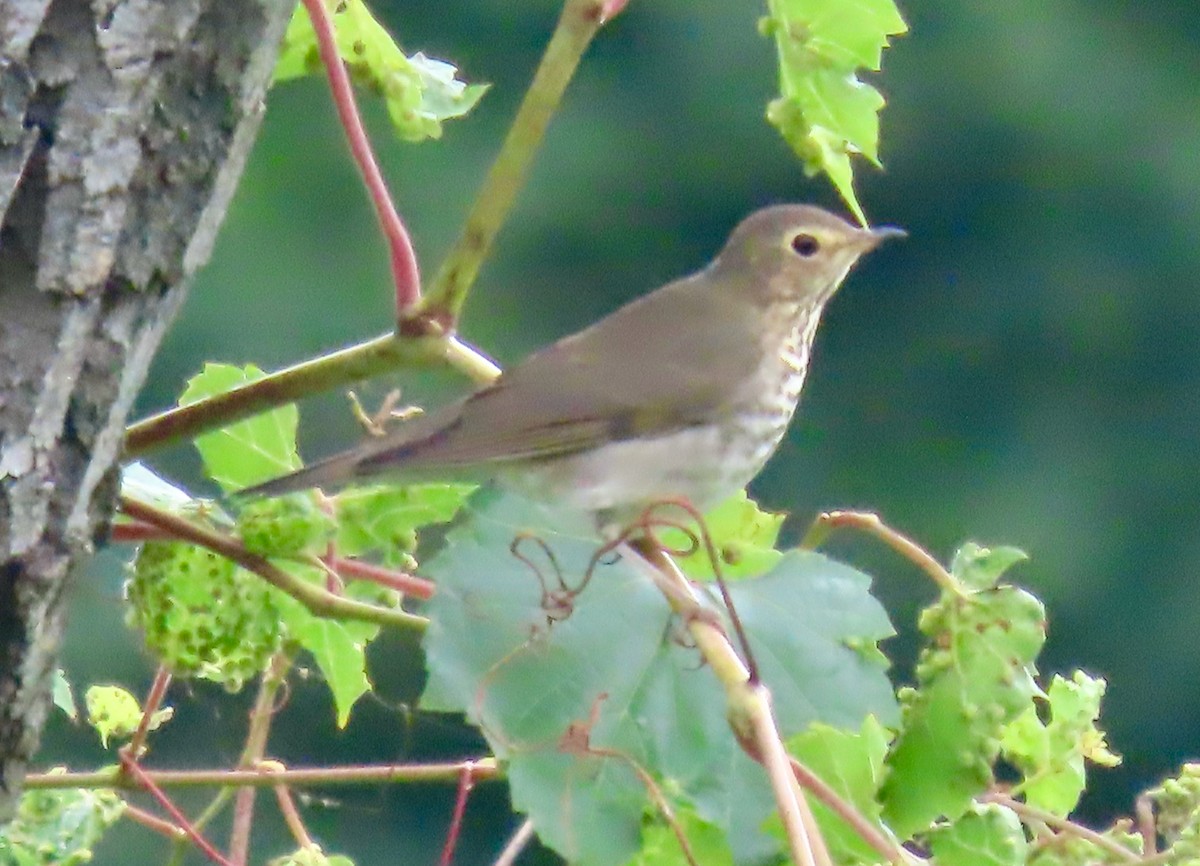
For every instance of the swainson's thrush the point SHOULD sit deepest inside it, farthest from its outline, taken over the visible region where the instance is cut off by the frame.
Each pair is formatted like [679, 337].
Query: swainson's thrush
[683, 393]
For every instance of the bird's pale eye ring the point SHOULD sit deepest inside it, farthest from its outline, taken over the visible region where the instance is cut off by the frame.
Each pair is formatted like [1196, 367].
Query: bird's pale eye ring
[805, 245]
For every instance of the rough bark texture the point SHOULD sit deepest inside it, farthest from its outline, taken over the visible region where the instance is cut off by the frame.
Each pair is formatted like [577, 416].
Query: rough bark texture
[124, 125]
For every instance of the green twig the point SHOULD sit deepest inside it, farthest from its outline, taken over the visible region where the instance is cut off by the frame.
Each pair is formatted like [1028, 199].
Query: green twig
[578, 24]
[319, 601]
[324, 373]
[261, 777]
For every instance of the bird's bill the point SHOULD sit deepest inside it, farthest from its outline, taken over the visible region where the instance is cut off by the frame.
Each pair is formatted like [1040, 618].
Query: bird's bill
[871, 238]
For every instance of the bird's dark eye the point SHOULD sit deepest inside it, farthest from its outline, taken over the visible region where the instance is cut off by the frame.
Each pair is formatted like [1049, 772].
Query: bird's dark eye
[805, 245]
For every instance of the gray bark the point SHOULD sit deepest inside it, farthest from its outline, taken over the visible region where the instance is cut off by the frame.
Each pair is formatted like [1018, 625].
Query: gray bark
[124, 125]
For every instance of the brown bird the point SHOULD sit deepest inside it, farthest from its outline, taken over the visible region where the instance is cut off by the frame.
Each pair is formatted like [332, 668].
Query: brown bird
[684, 393]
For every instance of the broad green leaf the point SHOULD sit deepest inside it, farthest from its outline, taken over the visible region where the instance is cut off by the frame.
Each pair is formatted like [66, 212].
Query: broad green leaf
[851, 763]
[420, 92]
[618, 666]
[1051, 755]
[978, 567]
[744, 537]
[58, 828]
[824, 111]
[660, 845]
[386, 519]
[973, 678]
[987, 834]
[338, 648]
[246, 452]
[63, 699]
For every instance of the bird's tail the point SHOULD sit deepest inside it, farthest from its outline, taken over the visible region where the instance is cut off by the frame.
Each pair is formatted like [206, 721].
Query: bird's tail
[335, 471]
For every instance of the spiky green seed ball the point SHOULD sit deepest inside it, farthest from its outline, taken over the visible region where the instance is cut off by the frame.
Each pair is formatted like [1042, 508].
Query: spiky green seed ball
[201, 614]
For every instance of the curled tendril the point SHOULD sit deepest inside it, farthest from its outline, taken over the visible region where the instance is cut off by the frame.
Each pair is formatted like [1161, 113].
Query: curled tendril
[699, 539]
[558, 599]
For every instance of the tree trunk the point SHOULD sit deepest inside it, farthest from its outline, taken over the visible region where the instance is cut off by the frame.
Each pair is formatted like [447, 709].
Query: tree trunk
[124, 126]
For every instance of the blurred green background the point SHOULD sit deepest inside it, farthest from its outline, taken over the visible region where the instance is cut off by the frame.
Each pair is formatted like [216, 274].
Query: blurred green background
[1024, 369]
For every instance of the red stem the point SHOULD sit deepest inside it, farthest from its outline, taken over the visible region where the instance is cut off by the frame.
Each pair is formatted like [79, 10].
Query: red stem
[133, 769]
[154, 699]
[466, 781]
[406, 275]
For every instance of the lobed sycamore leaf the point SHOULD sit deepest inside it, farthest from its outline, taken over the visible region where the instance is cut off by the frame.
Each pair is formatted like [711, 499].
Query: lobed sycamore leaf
[420, 92]
[974, 677]
[246, 452]
[1051, 755]
[385, 519]
[573, 703]
[824, 111]
[987, 834]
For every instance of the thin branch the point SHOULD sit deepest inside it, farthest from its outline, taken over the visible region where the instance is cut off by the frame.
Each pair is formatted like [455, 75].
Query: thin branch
[872, 525]
[323, 373]
[155, 823]
[255, 747]
[133, 532]
[484, 769]
[867, 831]
[138, 775]
[1029, 813]
[409, 584]
[515, 845]
[578, 24]
[406, 276]
[466, 781]
[319, 601]
[154, 699]
[749, 705]
[804, 836]
[287, 808]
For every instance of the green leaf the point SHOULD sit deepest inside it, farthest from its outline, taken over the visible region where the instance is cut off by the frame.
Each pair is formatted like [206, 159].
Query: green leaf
[385, 520]
[58, 828]
[986, 835]
[420, 92]
[978, 567]
[744, 537]
[63, 699]
[1051, 755]
[338, 648]
[618, 669]
[246, 452]
[114, 712]
[660, 845]
[851, 763]
[974, 677]
[824, 111]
